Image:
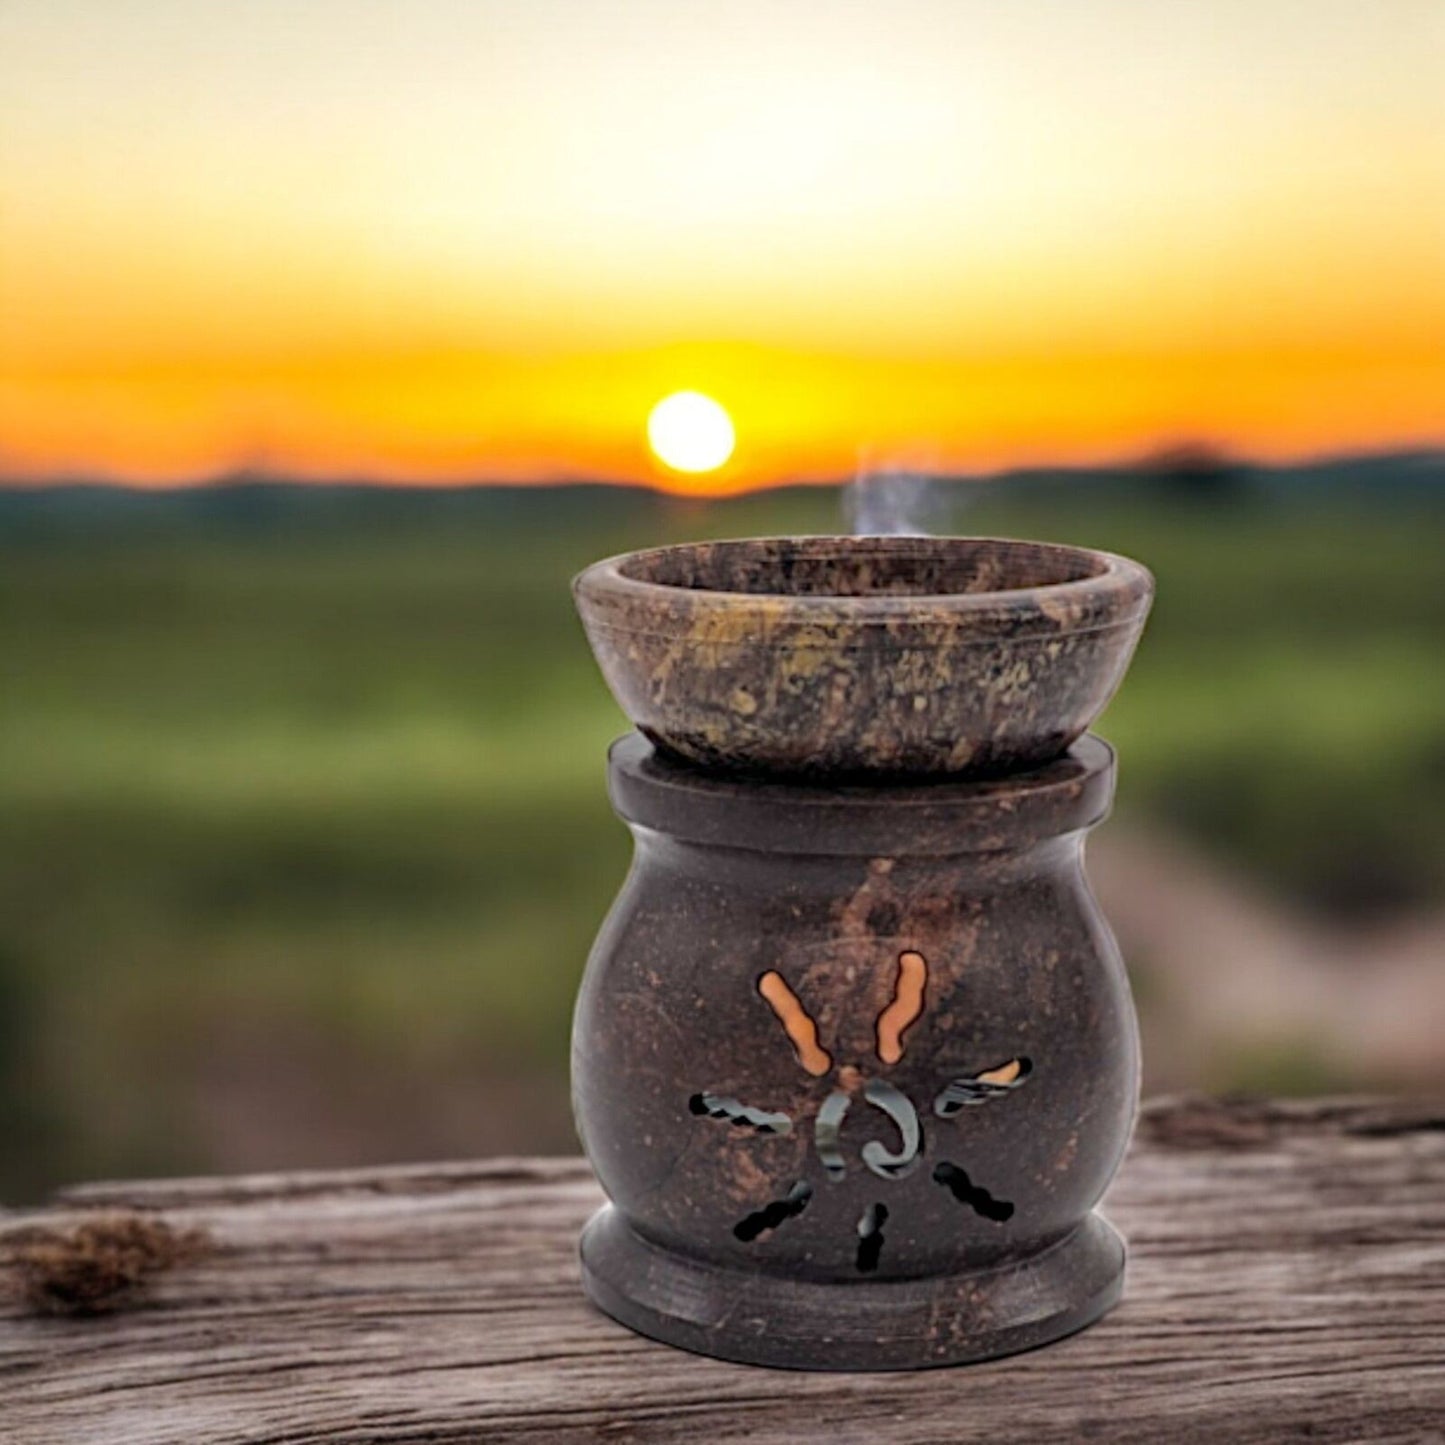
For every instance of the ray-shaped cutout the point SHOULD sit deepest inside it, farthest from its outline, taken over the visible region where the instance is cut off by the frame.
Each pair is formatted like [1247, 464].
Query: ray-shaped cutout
[905, 1008]
[870, 1237]
[977, 1198]
[779, 1211]
[719, 1106]
[980, 1088]
[796, 1022]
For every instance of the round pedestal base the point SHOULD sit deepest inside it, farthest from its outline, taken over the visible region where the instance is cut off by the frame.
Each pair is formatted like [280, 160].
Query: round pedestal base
[762, 1319]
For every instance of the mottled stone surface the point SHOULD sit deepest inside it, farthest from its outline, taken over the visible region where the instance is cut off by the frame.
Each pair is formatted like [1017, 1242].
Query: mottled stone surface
[748, 1175]
[869, 655]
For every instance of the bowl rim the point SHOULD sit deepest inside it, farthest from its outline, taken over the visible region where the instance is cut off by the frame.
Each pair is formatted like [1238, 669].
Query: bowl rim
[1116, 591]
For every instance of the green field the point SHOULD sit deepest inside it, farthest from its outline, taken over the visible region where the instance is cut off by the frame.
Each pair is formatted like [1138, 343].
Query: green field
[327, 781]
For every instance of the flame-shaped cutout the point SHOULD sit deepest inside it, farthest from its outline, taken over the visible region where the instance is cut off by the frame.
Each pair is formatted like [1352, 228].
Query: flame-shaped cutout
[796, 1022]
[906, 1007]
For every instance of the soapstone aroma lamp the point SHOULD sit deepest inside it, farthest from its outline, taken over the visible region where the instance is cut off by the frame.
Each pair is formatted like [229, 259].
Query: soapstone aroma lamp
[855, 1055]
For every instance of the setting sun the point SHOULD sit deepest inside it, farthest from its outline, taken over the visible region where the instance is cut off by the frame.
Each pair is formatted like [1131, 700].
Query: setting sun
[690, 432]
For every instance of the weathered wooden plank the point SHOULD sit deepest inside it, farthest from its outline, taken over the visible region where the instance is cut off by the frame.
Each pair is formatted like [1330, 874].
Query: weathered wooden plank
[1287, 1278]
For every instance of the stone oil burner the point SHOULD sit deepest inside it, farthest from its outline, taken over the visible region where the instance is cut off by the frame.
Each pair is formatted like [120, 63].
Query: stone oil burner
[854, 1055]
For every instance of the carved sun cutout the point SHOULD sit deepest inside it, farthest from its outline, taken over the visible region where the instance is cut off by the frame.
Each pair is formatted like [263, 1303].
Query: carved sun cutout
[850, 1084]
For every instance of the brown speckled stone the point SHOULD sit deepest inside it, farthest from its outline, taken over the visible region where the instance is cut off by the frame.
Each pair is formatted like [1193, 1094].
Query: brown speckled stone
[869, 655]
[740, 1220]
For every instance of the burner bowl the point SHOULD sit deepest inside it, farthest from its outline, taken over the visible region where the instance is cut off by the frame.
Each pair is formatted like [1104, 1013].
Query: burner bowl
[871, 656]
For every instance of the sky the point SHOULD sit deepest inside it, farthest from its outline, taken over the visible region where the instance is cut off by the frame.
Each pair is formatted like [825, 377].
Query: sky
[447, 240]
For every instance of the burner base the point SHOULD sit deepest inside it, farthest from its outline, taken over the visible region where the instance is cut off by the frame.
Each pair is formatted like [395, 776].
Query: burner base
[764, 1319]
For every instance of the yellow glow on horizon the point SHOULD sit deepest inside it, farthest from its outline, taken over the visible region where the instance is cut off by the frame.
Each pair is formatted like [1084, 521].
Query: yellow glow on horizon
[423, 242]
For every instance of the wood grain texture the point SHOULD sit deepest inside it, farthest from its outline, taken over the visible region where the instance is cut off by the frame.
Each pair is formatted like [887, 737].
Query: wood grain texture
[1287, 1280]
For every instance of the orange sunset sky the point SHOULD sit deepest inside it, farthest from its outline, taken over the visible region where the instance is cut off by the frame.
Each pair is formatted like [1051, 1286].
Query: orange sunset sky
[440, 241]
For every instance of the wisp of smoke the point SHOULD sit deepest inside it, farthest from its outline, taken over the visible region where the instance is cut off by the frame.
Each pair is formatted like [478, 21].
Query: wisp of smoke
[890, 504]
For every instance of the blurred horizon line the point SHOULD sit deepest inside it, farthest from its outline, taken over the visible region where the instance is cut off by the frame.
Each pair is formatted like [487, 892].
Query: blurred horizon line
[1189, 455]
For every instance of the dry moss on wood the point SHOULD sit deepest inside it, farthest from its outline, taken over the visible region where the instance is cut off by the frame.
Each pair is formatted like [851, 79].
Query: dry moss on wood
[96, 1266]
